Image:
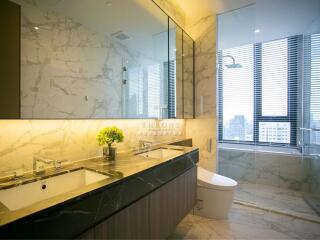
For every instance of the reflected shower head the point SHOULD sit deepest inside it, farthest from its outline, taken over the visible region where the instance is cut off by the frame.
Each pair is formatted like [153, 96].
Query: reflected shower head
[234, 64]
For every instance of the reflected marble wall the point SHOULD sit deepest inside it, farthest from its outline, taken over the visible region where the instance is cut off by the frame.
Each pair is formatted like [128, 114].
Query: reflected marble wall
[20, 140]
[67, 67]
[73, 70]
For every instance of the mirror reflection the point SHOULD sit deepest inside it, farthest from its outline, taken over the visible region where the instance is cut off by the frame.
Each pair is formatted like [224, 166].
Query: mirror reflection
[83, 60]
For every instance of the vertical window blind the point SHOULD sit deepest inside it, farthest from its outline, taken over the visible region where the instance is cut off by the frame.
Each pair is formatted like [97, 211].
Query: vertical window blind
[258, 92]
[135, 92]
[172, 90]
[154, 88]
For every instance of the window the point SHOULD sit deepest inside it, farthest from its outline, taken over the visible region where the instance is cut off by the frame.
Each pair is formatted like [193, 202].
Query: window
[237, 97]
[258, 92]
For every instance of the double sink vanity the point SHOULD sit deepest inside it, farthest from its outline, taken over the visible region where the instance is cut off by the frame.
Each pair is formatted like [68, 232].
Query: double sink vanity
[140, 195]
[93, 60]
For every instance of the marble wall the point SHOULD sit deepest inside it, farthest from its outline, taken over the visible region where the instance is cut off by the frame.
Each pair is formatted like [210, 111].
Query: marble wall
[290, 171]
[173, 9]
[315, 177]
[188, 77]
[313, 198]
[203, 128]
[20, 140]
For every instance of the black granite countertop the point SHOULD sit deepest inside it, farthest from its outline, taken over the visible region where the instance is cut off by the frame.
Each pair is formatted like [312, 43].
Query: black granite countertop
[121, 169]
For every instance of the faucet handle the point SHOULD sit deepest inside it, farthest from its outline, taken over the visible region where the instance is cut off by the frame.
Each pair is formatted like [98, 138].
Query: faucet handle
[42, 159]
[58, 163]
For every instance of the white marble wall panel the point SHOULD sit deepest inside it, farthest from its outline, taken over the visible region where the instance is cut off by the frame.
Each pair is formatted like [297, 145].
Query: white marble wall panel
[278, 170]
[173, 9]
[20, 140]
[188, 69]
[203, 129]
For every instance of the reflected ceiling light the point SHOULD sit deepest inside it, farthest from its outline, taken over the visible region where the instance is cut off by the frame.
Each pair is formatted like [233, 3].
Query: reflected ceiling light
[257, 31]
[36, 28]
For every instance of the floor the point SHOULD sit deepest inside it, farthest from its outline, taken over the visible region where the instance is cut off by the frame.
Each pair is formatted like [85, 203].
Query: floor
[278, 199]
[247, 223]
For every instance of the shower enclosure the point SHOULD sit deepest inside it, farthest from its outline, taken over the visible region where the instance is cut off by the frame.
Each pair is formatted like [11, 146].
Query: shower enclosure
[268, 81]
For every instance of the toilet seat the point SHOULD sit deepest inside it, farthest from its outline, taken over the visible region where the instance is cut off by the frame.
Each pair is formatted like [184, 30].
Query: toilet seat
[215, 181]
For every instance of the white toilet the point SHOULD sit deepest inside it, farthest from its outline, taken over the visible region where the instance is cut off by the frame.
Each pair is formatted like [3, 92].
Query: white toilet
[215, 195]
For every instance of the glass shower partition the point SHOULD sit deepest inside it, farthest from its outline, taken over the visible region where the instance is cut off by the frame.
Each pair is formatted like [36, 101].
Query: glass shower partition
[311, 120]
[235, 78]
[268, 81]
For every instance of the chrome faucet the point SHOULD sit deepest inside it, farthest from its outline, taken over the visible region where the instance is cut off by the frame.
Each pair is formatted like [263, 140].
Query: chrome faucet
[56, 163]
[144, 145]
[36, 159]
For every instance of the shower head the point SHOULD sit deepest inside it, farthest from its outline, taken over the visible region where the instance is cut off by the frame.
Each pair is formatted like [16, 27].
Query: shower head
[234, 64]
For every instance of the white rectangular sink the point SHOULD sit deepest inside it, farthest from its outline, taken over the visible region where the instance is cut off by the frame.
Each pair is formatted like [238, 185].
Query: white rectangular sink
[161, 153]
[30, 193]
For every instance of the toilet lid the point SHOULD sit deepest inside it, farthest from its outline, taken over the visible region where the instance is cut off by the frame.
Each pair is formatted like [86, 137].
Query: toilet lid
[215, 181]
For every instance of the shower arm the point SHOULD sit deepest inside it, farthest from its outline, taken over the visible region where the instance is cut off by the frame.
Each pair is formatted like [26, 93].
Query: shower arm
[229, 56]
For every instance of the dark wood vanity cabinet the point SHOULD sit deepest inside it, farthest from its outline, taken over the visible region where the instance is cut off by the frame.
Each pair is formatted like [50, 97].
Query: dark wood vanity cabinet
[171, 203]
[153, 217]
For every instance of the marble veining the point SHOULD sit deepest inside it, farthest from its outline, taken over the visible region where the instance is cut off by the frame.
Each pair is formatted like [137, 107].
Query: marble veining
[173, 10]
[20, 140]
[272, 169]
[74, 70]
[282, 200]
[92, 203]
[313, 198]
[246, 223]
[65, 67]
[203, 129]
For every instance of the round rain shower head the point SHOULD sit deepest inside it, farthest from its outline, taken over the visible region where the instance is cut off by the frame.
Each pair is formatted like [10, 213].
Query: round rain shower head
[234, 64]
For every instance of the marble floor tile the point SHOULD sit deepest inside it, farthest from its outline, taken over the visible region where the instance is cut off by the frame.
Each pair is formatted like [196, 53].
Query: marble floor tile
[278, 199]
[246, 223]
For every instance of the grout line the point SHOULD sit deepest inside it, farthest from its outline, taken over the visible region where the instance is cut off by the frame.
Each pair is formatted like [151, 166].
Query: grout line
[252, 205]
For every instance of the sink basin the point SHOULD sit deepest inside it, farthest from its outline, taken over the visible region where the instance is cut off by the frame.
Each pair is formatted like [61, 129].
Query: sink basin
[30, 193]
[161, 153]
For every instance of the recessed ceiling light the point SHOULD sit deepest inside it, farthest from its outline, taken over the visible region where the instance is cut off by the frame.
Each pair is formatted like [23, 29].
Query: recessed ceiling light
[257, 31]
[36, 28]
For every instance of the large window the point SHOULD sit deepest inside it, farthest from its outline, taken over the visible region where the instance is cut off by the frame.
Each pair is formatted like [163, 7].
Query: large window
[258, 93]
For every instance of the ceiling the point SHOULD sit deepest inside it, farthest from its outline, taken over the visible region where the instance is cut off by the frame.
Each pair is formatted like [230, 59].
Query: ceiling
[195, 9]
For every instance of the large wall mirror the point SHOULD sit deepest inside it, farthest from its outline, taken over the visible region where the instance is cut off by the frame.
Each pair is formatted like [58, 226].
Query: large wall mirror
[84, 59]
